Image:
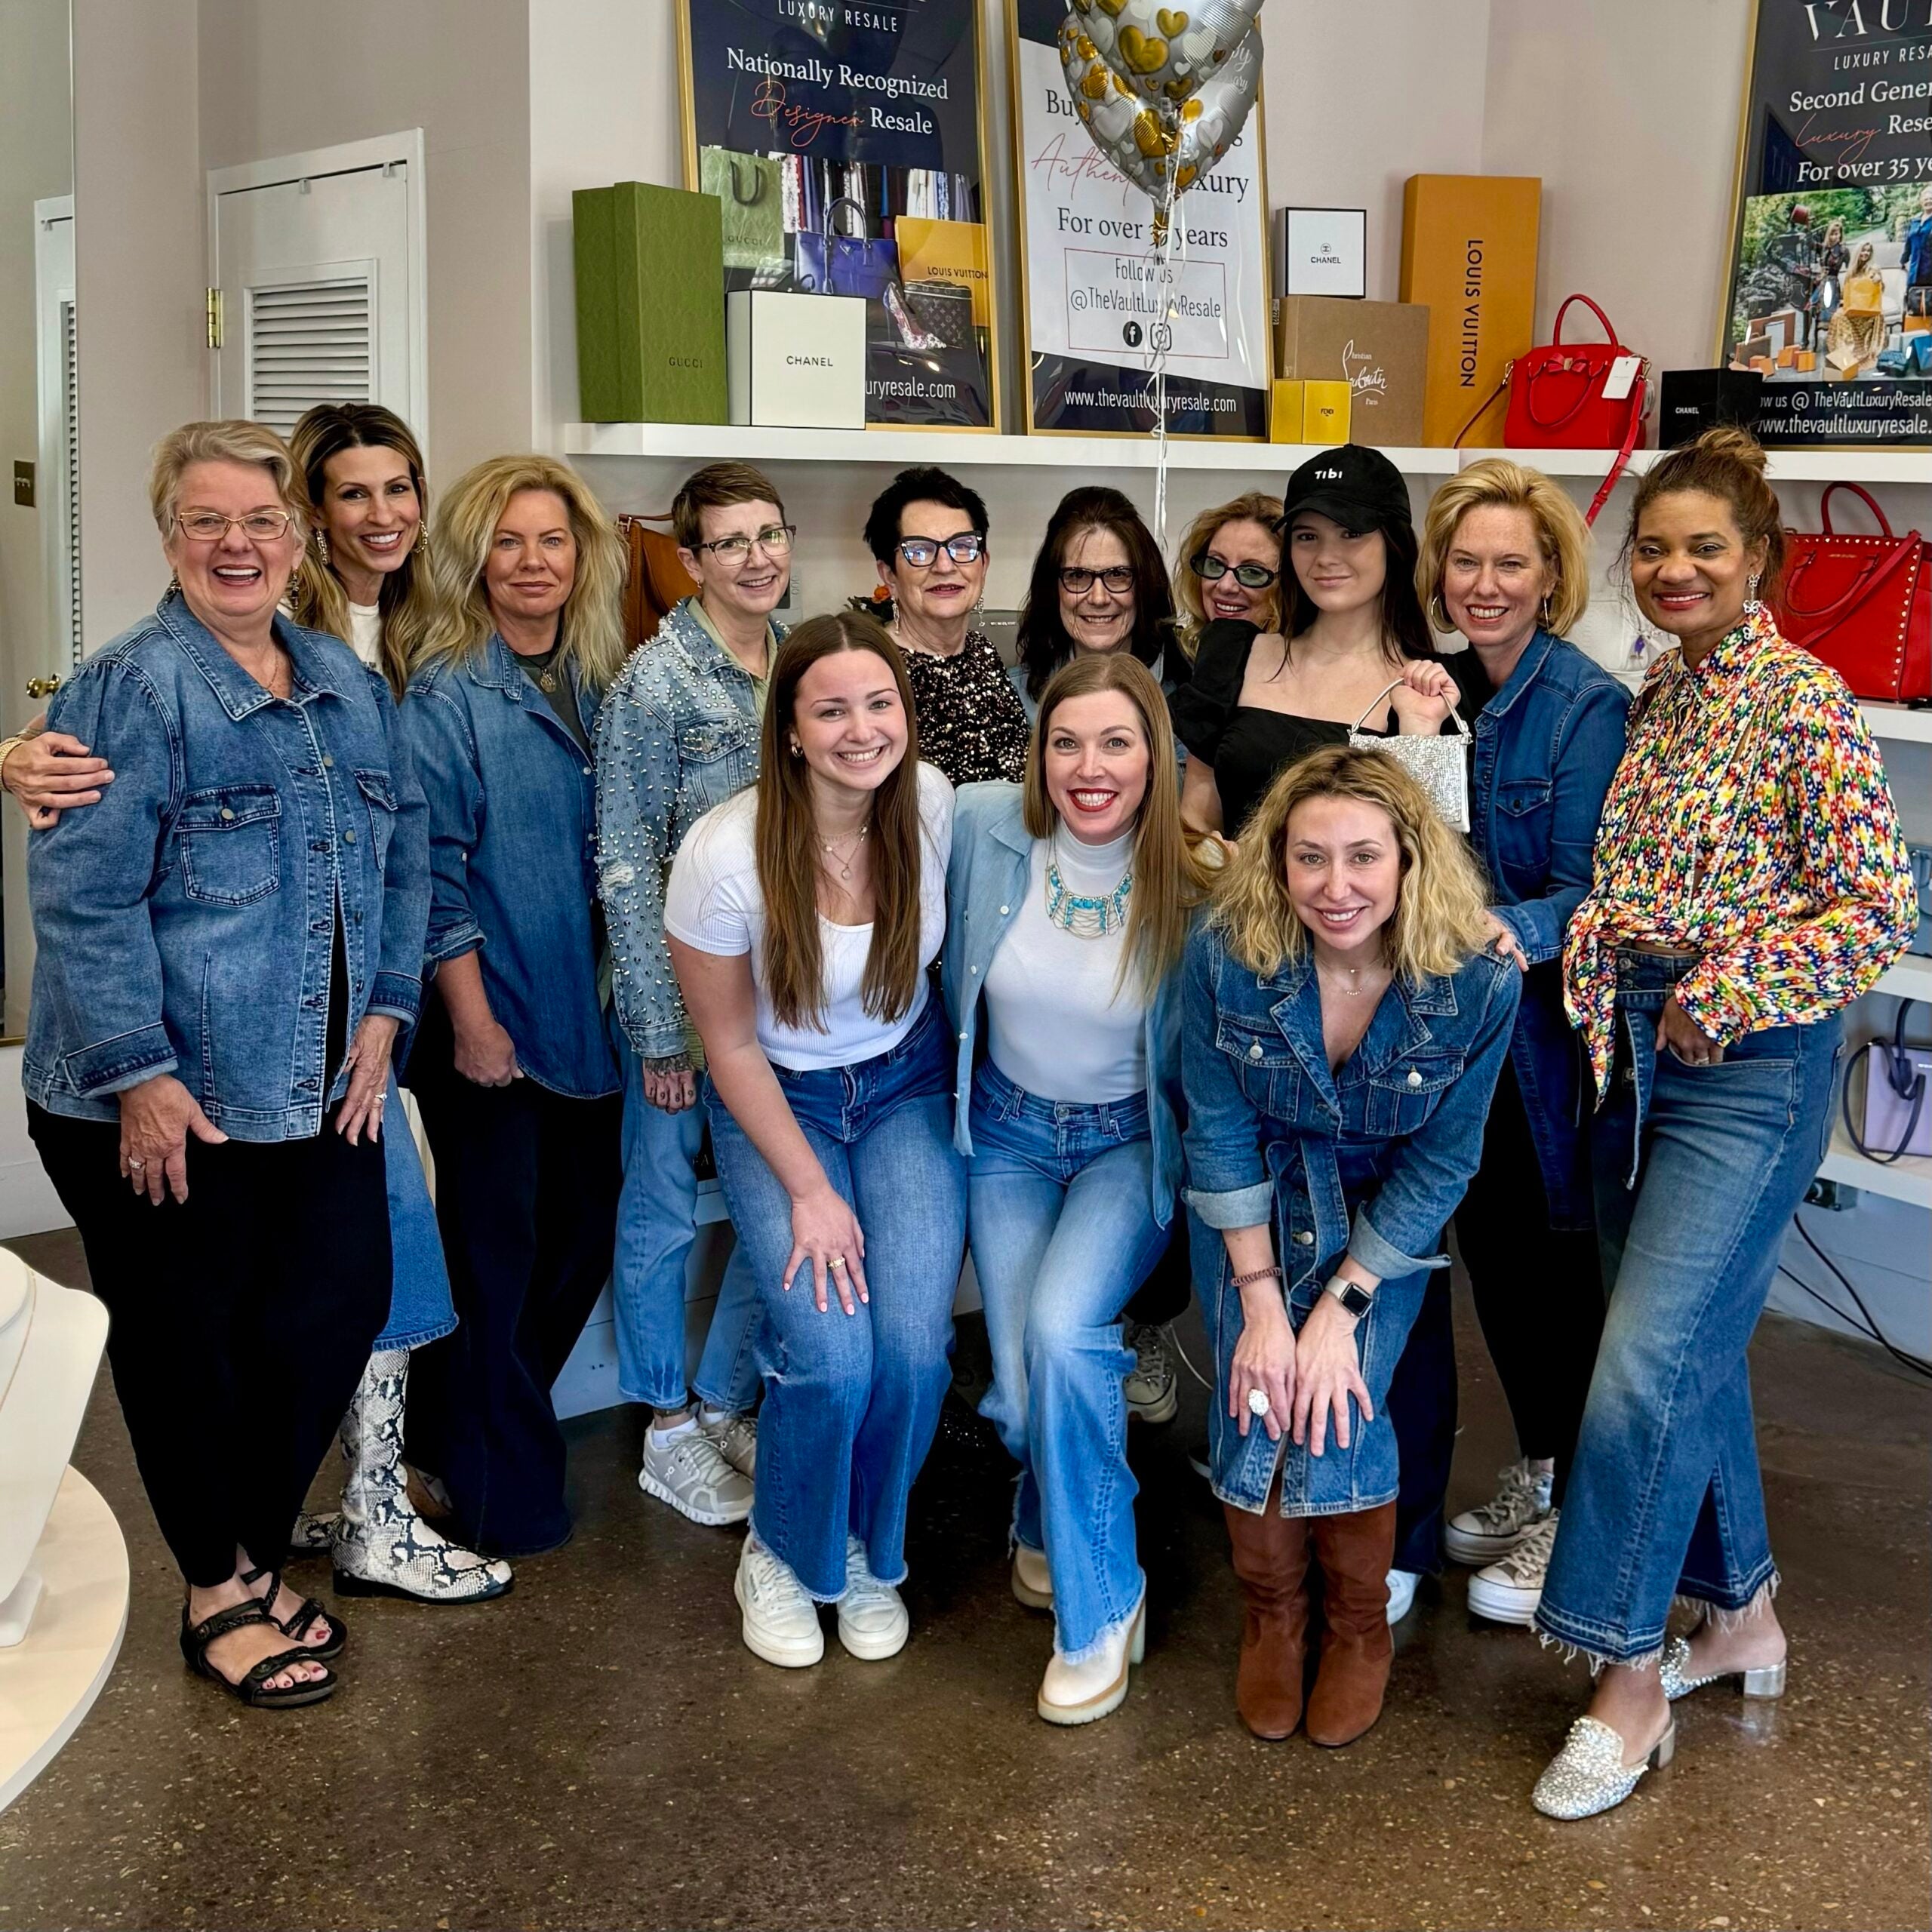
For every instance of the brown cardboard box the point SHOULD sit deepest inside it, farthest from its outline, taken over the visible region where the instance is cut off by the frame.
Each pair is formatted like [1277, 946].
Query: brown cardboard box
[1381, 349]
[1469, 257]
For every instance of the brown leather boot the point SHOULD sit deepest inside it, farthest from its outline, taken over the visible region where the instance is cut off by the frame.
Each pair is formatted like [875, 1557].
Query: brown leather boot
[1270, 1559]
[1353, 1552]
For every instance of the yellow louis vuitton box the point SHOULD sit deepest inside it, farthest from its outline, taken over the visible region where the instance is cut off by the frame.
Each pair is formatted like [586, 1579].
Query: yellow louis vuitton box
[953, 251]
[1469, 257]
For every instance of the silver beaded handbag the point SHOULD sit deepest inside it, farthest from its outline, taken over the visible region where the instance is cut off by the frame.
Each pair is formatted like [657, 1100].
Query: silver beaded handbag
[1440, 765]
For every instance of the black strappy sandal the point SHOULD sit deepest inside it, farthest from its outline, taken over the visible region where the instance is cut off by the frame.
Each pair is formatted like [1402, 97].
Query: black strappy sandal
[253, 1689]
[301, 1619]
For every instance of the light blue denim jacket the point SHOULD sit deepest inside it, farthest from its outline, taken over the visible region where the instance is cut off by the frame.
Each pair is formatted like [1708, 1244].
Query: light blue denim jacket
[1267, 1118]
[186, 923]
[677, 733]
[511, 808]
[986, 882]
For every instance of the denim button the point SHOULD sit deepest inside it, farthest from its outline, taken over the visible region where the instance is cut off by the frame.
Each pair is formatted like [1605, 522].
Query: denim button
[1304, 1238]
[973, 969]
[225, 813]
[1254, 1051]
[348, 839]
[1003, 912]
[1415, 1079]
[328, 763]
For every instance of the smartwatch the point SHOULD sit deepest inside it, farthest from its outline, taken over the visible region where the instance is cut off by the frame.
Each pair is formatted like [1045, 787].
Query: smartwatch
[1355, 1299]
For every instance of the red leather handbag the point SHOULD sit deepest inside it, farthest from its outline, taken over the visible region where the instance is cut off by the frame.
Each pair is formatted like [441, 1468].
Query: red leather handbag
[1862, 604]
[1576, 395]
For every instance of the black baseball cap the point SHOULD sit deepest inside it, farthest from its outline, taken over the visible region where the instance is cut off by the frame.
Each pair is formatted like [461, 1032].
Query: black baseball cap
[1357, 487]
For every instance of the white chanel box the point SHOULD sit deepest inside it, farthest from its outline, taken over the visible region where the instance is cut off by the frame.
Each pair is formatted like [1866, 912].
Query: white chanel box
[796, 361]
[1321, 251]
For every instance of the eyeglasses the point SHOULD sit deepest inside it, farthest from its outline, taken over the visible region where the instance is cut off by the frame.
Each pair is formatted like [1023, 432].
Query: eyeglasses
[1076, 582]
[775, 539]
[922, 553]
[1210, 569]
[210, 526]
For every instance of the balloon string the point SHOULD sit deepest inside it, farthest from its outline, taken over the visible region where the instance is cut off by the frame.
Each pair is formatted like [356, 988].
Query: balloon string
[1167, 267]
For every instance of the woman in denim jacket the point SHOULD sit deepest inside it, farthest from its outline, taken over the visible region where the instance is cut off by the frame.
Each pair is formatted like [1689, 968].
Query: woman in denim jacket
[1342, 1029]
[228, 942]
[1505, 561]
[678, 734]
[1067, 909]
[514, 1070]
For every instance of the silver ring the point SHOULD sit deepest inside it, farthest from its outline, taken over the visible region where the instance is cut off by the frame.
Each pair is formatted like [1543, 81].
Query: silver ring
[135, 1166]
[1257, 1401]
[382, 1100]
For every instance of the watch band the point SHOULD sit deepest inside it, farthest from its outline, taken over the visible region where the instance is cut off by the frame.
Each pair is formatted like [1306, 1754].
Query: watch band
[1352, 1297]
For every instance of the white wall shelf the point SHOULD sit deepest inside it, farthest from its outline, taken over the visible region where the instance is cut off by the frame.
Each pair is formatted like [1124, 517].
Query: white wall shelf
[1910, 979]
[1824, 466]
[1899, 721]
[1909, 1180]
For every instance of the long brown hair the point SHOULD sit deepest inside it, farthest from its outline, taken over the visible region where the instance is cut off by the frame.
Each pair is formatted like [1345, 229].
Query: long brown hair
[316, 596]
[1166, 884]
[788, 843]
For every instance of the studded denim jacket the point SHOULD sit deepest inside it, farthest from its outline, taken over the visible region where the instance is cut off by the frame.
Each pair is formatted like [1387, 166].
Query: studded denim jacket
[1270, 1126]
[678, 734]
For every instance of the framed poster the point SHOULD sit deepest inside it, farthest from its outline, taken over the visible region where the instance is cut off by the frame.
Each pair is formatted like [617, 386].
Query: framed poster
[1089, 302]
[1828, 294]
[846, 139]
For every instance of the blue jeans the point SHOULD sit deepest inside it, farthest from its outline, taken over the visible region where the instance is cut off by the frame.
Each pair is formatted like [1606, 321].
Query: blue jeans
[656, 1223]
[1062, 1225]
[852, 1401]
[1698, 1171]
[420, 1308]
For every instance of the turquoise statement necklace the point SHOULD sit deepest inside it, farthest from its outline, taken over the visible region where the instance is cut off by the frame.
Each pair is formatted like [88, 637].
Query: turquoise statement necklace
[1082, 914]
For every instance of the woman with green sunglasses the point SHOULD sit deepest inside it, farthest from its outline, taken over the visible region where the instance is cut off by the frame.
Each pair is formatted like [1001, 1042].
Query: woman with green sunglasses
[1230, 568]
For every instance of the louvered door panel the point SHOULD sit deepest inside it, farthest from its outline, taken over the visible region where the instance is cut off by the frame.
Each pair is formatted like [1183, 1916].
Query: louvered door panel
[309, 342]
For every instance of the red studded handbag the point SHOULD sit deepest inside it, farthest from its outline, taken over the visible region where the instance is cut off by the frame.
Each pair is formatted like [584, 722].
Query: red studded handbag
[1862, 604]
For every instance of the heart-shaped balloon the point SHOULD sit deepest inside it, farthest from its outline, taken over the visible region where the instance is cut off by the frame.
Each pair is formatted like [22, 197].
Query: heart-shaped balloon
[1167, 53]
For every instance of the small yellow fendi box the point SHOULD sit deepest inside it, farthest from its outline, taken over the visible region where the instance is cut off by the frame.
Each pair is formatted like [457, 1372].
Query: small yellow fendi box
[1285, 414]
[1325, 412]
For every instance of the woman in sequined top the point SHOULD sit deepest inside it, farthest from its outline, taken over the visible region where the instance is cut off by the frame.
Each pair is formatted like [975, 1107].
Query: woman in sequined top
[927, 532]
[1750, 881]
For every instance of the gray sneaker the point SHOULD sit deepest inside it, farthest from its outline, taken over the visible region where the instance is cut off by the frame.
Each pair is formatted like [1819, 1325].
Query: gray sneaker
[1508, 1591]
[1493, 1529]
[1151, 1393]
[689, 1472]
[737, 1438]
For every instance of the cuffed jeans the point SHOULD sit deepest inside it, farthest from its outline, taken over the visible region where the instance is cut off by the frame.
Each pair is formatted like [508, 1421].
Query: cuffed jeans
[656, 1223]
[1698, 1172]
[1060, 1218]
[852, 1401]
[421, 1308]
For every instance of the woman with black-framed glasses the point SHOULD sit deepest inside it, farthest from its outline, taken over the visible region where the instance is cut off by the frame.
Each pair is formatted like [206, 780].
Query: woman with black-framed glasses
[1230, 568]
[927, 532]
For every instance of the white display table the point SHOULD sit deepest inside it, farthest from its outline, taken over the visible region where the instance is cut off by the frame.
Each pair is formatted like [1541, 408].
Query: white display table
[49, 1681]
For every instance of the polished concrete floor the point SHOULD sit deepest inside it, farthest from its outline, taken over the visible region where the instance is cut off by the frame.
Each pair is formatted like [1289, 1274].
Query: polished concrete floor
[599, 1750]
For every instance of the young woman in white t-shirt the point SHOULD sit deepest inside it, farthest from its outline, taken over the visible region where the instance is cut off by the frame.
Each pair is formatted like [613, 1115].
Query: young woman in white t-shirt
[802, 916]
[1068, 900]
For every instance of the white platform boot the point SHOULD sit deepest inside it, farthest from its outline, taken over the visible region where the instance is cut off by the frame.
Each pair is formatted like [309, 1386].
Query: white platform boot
[380, 1545]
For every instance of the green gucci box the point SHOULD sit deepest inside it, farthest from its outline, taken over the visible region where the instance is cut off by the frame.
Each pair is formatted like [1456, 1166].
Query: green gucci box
[650, 305]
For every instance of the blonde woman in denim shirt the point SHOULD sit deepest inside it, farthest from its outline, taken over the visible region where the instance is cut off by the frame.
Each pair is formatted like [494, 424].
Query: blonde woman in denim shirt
[514, 1070]
[678, 734]
[1343, 1024]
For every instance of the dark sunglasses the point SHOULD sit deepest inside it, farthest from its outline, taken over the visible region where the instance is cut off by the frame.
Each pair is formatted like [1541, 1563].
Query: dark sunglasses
[1210, 569]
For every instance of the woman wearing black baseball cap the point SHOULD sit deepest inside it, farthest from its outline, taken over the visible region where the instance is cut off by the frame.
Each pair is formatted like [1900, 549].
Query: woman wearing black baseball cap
[1260, 700]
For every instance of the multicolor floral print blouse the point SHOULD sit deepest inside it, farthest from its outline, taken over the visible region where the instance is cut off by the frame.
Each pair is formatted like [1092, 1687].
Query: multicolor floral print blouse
[1749, 822]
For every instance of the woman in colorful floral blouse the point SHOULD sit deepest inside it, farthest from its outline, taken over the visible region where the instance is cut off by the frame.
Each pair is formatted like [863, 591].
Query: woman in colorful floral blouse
[1750, 882]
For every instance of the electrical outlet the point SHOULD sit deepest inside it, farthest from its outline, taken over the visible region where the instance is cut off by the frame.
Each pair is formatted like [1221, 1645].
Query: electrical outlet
[23, 485]
[1834, 1196]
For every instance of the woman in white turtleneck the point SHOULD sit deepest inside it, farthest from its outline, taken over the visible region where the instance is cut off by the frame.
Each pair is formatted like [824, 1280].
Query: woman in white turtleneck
[1068, 903]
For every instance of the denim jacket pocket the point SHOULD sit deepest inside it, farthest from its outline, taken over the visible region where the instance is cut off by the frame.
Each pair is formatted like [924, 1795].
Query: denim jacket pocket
[1264, 1064]
[379, 796]
[1404, 1093]
[230, 840]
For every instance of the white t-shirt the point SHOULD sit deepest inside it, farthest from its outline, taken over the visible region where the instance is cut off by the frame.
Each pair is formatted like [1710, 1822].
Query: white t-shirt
[365, 632]
[713, 904]
[1055, 1026]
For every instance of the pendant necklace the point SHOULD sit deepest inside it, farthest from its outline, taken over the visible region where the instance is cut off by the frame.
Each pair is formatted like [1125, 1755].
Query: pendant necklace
[845, 865]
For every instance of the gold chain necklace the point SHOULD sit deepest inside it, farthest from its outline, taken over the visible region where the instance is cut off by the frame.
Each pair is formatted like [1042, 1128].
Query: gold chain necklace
[845, 865]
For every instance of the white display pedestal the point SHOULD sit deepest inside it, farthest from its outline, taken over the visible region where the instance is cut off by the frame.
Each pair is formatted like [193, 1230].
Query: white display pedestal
[48, 1681]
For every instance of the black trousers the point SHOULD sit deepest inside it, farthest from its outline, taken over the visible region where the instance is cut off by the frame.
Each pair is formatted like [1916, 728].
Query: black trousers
[1164, 1295]
[527, 1186]
[240, 1319]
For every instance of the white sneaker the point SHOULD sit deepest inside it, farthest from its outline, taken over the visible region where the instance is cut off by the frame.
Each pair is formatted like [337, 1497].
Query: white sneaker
[1495, 1528]
[1032, 1580]
[1152, 1385]
[689, 1472]
[872, 1622]
[735, 1436]
[1079, 1693]
[1508, 1592]
[780, 1621]
[1401, 1593]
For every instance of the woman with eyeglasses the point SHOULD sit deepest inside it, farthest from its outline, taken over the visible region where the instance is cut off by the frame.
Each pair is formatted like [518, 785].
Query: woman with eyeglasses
[1230, 568]
[678, 734]
[927, 532]
[1098, 584]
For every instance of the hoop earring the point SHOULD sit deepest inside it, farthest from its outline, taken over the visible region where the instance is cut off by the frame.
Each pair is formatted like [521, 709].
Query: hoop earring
[797, 749]
[1751, 606]
[1438, 613]
[1544, 619]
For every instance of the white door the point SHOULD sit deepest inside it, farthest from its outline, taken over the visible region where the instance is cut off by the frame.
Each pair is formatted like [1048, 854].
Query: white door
[56, 325]
[318, 264]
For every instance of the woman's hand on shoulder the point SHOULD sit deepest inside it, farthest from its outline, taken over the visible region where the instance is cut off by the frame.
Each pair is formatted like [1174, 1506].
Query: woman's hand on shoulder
[1425, 697]
[1504, 942]
[51, 772]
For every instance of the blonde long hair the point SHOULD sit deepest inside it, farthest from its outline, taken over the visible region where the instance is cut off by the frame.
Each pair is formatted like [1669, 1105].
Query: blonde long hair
[1562, 536]
[1167, 885]
[1440, 921]
[316, 597]
[592, 628]
[1256, 506]
[787, 841]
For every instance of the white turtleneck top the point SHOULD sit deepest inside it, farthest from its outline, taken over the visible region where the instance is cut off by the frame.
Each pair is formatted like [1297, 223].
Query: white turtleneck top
[1055, 1025]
